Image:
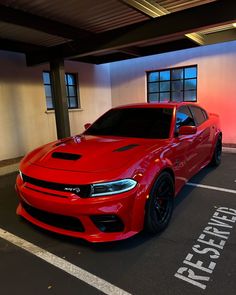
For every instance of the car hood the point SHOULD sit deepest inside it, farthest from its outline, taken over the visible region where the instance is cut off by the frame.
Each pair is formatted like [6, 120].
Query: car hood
[93, 153]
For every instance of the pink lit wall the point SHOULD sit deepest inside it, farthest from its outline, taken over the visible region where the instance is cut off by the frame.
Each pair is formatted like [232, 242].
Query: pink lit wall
[216, 80]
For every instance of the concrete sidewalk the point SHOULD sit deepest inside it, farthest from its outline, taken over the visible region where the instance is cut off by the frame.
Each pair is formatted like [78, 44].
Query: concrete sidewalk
[9, 166]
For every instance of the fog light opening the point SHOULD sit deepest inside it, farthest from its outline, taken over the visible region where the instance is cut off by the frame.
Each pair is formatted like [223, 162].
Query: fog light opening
[108, 223]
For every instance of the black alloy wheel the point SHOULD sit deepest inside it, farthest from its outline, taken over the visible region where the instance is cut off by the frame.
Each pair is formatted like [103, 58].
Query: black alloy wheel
[159, 206]
[216, 158]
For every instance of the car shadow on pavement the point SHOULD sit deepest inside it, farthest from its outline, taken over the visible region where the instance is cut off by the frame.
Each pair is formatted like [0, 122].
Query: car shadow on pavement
[197, 179]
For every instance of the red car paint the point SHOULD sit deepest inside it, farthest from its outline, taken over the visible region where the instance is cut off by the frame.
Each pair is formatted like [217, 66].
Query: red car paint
[183, 156]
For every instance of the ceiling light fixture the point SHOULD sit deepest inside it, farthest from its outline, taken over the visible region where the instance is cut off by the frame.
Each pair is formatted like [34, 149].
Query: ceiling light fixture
[153, 9]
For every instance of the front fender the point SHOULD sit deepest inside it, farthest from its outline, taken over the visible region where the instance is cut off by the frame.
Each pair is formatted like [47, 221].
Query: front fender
[146, 181]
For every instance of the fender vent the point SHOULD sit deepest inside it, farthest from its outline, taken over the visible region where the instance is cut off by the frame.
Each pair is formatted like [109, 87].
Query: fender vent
[126, 148]
[66, 156]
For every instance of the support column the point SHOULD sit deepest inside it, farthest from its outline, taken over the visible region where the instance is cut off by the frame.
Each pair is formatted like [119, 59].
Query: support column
[60, 99]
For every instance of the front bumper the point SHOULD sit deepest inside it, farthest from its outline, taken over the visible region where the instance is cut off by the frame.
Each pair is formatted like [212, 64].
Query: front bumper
[97, 219]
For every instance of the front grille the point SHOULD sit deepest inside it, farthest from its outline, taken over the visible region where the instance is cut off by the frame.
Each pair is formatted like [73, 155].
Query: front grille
[83, 191]
[57, 220]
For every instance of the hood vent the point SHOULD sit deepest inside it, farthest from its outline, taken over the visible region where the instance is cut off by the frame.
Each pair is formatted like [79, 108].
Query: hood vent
[65, 156]
[126, 148]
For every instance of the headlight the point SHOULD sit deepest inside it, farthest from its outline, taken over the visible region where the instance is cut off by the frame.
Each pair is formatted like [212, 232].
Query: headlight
[20, 173]
[113, 187]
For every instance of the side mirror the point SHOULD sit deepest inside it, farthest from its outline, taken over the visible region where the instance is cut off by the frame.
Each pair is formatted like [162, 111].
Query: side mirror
[87, 125]
[187, 130]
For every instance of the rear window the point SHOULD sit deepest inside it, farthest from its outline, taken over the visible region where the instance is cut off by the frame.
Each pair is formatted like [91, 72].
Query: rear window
[134, 122]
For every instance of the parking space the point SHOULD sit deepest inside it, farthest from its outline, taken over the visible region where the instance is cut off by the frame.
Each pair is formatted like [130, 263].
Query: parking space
[140, 265]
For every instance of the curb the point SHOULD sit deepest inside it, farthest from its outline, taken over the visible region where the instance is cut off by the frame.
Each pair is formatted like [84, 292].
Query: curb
[9, 169]
[229, 150]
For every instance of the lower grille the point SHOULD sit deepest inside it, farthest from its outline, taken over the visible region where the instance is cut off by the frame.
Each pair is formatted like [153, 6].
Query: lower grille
[57, 220]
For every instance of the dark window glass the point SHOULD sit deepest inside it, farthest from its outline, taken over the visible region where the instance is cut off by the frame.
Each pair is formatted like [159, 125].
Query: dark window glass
[191, 95]
[177, 84]
[177, 74]
[71, 79]
[190, 84]
[73, 101]
[49, 103]
[153, 77]
[153, 97]
[71, 90]
[177, 96]
[164, 75]
[183, 118]
[134, 122]
[190, 72]
[48, 90]
[198, 115]
[153, 87]
[164, 86]
[164, 96]
[46, 78]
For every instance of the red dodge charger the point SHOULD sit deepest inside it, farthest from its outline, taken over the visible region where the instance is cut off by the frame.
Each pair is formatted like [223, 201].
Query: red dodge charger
[121, 175]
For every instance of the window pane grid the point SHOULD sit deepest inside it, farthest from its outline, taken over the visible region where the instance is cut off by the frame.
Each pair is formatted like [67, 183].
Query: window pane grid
[177, 84]
[48, 90]
[71, 90]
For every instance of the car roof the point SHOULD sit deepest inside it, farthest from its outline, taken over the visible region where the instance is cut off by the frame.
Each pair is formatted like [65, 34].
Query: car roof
[156, 105]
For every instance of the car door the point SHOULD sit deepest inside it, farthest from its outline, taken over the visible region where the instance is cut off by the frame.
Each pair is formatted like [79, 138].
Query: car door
[185, 154]
[203, 143]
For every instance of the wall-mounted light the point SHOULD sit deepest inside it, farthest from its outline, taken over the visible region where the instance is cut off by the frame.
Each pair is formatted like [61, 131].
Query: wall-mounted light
[234, 24]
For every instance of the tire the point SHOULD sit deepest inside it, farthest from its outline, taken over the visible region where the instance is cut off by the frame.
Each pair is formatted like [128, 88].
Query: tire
[159, 206]
[216, 157]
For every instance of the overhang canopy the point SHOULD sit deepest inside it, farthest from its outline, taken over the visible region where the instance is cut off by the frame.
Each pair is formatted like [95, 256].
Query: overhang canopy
[110, 30]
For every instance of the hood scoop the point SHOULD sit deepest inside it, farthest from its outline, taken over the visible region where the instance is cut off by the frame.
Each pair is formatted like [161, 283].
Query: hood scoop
[126, 148]
[66, 156]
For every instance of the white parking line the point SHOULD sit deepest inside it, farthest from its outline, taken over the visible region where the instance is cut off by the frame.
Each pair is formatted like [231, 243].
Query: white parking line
[64, 265]
[216, 188]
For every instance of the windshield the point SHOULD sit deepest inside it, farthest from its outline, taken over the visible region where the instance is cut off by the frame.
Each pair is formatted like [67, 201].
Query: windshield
[134, 122]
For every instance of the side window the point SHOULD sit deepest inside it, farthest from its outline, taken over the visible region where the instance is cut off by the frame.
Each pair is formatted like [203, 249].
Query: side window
[198, 114]
[205, 114]
[183, 118]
